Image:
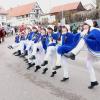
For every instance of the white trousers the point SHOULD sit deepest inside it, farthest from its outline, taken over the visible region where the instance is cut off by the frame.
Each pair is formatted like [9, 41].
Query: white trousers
[15, 45]
[21, 46]
[36, 46]
[90, 59]
[50, 56]
[61, 61]
[89, 64]
[28, 45]
[79, 47]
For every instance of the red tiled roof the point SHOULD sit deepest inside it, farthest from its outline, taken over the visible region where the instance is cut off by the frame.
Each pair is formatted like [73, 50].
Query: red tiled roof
[65, 7]
[3, 11]
[21, 10]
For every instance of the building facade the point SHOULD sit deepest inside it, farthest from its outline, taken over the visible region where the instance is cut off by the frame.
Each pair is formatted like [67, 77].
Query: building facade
[64, 13]
[3, 16]
[28, 14]
[98, 3]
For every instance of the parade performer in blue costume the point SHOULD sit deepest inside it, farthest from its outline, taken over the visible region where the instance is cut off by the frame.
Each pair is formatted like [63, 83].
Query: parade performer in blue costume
[51, 48]
[39, 46]
[90, 38]
[20, 46]
[68, 42]
[28, 42]
[34, 40]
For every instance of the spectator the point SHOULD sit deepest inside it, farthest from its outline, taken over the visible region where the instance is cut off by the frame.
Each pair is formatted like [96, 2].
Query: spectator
[95, 24]
[2, 34]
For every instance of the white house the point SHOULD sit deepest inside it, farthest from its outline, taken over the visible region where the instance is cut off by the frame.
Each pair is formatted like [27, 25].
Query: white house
[28, 14]
[3, 15]
[47, 18]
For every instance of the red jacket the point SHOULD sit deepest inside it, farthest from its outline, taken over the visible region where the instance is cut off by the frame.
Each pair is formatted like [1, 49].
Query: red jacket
[2, 32]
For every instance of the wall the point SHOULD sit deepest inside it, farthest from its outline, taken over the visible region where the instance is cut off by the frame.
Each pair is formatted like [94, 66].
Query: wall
[2, 19]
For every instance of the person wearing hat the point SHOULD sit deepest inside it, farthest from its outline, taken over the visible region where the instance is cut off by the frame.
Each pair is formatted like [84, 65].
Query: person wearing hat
[35, 40]
[68, 42]
[41, 47]
[21, 46]
[90, 37]
[25, 40]
[28, 42]
[51, 48]
[38, 46]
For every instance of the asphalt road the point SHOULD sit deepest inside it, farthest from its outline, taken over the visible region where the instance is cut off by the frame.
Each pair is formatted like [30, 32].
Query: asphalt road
[16, 83]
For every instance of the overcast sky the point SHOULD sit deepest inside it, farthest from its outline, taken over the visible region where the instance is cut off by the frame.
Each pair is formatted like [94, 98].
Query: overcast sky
[44, 4]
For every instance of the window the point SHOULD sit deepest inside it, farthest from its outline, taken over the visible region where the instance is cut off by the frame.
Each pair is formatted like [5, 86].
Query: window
[23, 16]
[2, 17]
[27, 15]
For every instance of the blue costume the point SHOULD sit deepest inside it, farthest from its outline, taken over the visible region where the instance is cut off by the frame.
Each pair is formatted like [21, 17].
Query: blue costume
[17, 39]
[36, 37]
[22, 37]
[69, 41]
[44, 40]
[54, 38]
[30, 35]
[93, 40]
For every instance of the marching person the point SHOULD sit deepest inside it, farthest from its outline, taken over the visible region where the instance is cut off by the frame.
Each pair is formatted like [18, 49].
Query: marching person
[35, 40]
[90, 37]
[21, 46]
[68, 42]
[41, 46]
[28, 42]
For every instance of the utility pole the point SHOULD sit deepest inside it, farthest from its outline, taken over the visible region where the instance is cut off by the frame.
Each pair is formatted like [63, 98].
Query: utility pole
[62, 14]
[98, 3]
[62, 17]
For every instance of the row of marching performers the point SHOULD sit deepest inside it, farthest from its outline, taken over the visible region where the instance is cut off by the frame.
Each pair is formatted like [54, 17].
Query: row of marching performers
[61, 42]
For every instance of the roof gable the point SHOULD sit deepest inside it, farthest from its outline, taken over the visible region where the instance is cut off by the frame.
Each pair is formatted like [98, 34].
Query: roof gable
[21, 10]
[66, 7]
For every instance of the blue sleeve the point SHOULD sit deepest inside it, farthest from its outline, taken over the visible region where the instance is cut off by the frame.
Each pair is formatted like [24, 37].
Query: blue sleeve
[56, 36]
[37, 38]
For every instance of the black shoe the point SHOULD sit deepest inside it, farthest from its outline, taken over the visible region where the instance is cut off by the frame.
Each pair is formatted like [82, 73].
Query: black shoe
[30, 65]
[44, 71]
[33, 57]
[70, 55]
[19, 53]
[37, 50]
[10, 47]
[53, 74]
[64, 79]
[93, 84]
[44, 63]
[15, 52]
[56, 67]
[26, 60]
[37, 68]
[22, 55]
[25, 53]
